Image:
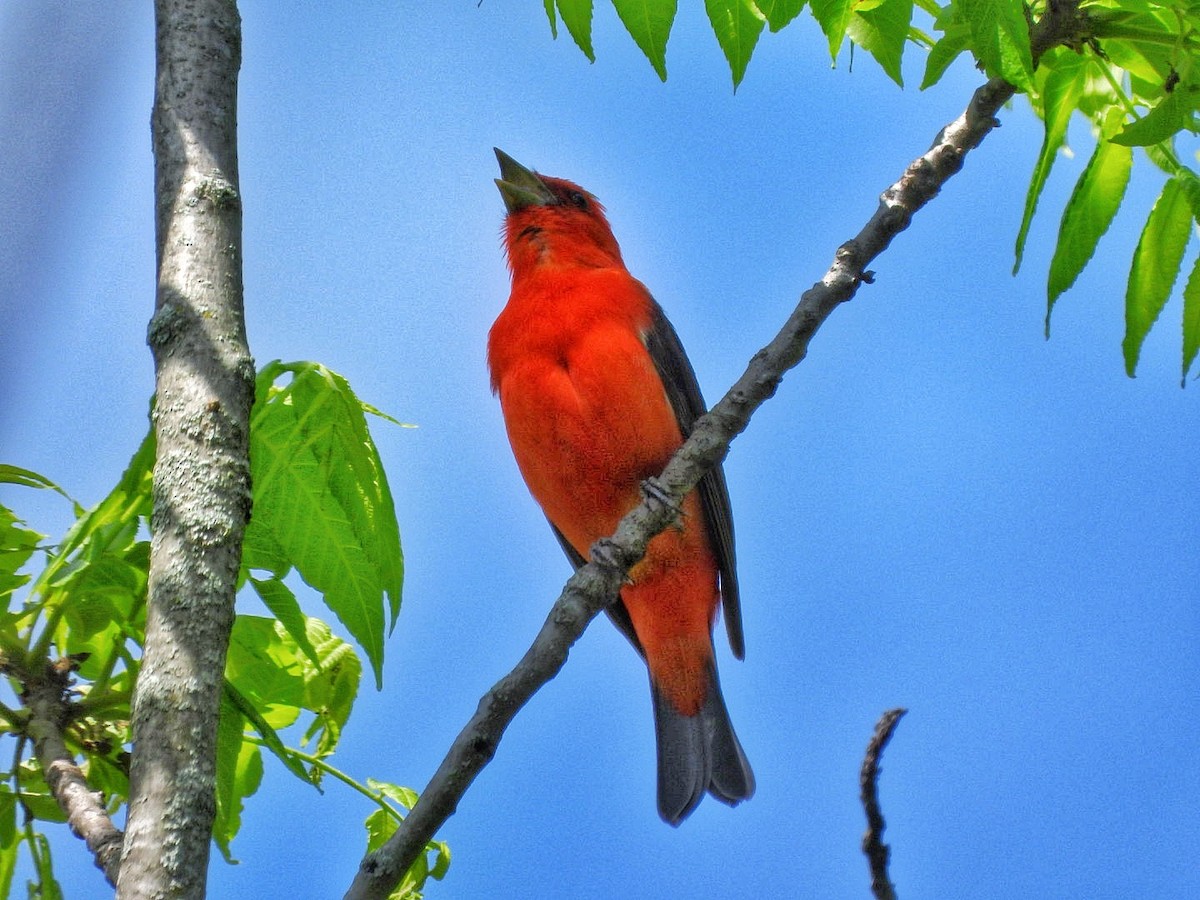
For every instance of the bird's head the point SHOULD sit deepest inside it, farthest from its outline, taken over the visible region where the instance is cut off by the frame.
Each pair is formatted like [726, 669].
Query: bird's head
[552, 221]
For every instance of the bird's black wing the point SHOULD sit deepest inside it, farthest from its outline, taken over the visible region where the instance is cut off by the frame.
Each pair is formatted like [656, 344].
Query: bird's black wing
[683, 391]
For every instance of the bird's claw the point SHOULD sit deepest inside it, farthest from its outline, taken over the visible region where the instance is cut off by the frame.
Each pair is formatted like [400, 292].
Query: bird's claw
[656, 494]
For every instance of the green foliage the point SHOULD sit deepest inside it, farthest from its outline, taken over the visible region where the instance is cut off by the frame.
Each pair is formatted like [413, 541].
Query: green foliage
[322, 509]
[1127, 67]
[1089, 212]
[322, 504]
[737, 25]
[382, 823]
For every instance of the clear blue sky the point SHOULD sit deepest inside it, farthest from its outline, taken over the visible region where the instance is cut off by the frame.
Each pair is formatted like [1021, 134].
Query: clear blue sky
[939, 509]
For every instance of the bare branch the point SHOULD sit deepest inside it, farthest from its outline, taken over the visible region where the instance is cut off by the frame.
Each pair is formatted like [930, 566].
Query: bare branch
[878, 853]
[49, 712]
[596, 585]
[204, 386]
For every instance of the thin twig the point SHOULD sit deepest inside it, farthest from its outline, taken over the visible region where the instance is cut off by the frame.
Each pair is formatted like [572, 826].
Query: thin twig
[595, 585]
[877, 852]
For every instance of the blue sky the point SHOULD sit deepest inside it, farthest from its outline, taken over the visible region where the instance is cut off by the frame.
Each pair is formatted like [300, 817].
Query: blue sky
[939, 509]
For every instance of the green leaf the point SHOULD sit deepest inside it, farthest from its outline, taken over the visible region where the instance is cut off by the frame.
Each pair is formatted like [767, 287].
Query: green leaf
[1176, 112]
[16, 546]
[649, 24]
[330, 686]
[46, 887]
[10, 841]
[548, 5]
[29, 478]
[737, 25]
[264, 670]
[779, 12]
[577, 16]
[881, 28]
[239, 774]
[282, 603]
[834, 18]
[1059, 97]
[322, 495]
[1088, 214]
[1191, 320]
[1155, 267]
[1000, 39]
[270, 737]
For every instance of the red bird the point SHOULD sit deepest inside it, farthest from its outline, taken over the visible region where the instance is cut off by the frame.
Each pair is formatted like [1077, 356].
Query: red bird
[597, 395]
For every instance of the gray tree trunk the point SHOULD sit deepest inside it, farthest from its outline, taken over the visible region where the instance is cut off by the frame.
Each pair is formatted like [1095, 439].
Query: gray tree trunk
[204, 389]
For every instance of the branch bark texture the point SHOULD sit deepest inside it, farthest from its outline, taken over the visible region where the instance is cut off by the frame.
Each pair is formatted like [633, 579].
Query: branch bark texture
[877, 852]
[595, 585]
[49, 712]
[204, 389]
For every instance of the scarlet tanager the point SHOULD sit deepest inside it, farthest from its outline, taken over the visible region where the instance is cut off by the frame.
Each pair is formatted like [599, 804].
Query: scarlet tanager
[597, 394]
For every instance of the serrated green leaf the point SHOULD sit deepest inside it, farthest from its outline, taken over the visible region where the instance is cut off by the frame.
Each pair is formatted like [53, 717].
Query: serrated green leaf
[779, 12]
[834, 18]
[330, 687]
[250, 711]
[1089, 212]
[1059, 96]
[1000, 39]
[115, 518]
[1176, 112]
[264, 670]
[737, 25]
[1191, 320]
[881, 28]
[321, 493]
[29, 478]
[239, 774]
[577, 16]
[649, 24]
[397, 793]
[16, 546]
[1155, 267]
[47, 886]
[284, 606]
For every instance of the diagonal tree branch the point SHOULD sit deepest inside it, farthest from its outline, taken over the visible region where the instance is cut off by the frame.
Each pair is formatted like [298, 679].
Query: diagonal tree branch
[49, 711]
[595, 585]
[877, 852]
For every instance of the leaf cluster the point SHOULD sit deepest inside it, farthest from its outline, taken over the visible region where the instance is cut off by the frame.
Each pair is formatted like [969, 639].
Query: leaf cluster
[323, 515]
[1126, 67]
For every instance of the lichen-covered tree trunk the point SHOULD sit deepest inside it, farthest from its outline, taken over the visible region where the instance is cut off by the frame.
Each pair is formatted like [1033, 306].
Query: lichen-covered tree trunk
[204, 390]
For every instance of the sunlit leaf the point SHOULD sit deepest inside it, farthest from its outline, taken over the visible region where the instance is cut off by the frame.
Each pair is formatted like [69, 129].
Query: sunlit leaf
[737, 25]
[1089, 212]
[577, 16]
[16, 546]
[322, 495]
[239, 774]
[881, 28]
[1191, 319]
[284, 606]
[1001, 39]
[834, 18]
[1059, 97]
[1176, 112]
[1155, 267]
[779, 12]
[649, 24]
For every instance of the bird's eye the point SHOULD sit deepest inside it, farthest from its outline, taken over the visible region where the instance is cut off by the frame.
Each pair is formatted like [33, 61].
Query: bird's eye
[579, 199]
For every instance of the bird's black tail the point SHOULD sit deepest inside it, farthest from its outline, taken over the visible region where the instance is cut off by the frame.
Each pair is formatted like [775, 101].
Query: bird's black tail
[697, 754]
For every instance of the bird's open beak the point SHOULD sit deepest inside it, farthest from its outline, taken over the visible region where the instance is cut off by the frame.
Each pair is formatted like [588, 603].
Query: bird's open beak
[520, 187]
